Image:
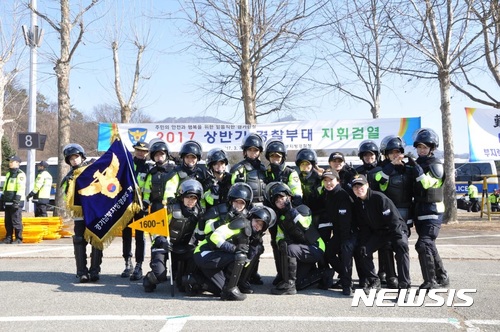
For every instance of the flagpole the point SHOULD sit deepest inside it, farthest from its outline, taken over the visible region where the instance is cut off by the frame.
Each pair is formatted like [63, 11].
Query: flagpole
[132, 170]
[172, 291]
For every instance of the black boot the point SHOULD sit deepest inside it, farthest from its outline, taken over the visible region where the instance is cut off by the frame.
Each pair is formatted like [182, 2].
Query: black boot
[428, 273]
[372, 284]
[95, 264]
[137, 274]
[80, 250]
[441, 275]
[128, 268]
[149, 282]
[287, 287]
[230, 291]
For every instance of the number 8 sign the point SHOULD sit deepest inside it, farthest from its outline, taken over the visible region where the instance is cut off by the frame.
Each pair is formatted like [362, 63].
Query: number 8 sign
[28, 140]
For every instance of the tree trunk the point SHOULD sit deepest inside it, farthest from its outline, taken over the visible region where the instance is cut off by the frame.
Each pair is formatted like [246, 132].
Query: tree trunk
[62, 70]
[246, 65]
[450, 202]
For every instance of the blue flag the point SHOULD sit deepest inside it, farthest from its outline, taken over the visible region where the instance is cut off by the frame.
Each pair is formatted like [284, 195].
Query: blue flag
[107, 193]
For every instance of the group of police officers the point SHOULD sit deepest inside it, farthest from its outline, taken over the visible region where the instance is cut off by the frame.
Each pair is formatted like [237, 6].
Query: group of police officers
[319, 221]
[13, 199]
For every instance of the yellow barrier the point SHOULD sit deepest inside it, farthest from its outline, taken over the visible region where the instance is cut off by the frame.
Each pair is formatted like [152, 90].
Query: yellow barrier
[36, 229]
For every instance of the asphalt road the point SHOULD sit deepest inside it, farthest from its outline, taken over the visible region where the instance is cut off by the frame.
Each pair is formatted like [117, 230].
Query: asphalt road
[39, 292]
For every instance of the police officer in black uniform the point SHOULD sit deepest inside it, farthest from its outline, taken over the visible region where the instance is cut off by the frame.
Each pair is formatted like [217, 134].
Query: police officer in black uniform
[186, 212]
[429, 209]
[14, 189]
[253, 172]
[239, 197]
[396, 180]
[141, 167]
[154, 194]
[41, 189]
[378, 222]
[190, 155]
[218, 179]
[336, 160]
[74, 155]
[369, 154]
[340, 244]
[299, 243]
[310, 178]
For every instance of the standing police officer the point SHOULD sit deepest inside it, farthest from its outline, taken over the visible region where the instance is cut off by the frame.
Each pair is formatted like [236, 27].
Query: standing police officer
[154, 194]
[141, 168]
[378, 222]
[218, 179]
[74, 155]
[190, 154]
[41, 190]
[14, 190]
[429, 209]
[251, 170]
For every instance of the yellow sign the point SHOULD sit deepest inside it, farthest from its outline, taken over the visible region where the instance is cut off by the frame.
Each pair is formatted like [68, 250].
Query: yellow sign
[153, 223]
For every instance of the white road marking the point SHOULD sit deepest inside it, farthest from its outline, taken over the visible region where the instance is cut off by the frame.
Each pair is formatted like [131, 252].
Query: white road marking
[176, 323]
[22, 252]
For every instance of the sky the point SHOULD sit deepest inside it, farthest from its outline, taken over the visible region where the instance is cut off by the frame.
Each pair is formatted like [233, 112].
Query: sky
[170, 89]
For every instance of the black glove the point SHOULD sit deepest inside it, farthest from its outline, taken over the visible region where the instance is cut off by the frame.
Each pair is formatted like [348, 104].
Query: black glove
[228, 246]
[417, 171]
[362, 251]
[167, 245]
[287, 207]
[15, 205]
[145, 206]
[31, 194]
[411, 161]
[242, 247]
[291, 214]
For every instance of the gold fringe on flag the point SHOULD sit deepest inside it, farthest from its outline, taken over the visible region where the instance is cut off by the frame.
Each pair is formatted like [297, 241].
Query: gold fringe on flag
[103, 243]
[76, 210]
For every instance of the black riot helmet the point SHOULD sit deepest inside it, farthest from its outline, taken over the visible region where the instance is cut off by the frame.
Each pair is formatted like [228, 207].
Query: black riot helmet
[240, 190]
[72, 149]
[390, 143]
[274, 145]
[252, 139]
[191, 147]
[190, 187]
[426, 136]
[368, 146]
[306, 154]
[275, 189]
[215, 155]
[157, 146]
[264, 213]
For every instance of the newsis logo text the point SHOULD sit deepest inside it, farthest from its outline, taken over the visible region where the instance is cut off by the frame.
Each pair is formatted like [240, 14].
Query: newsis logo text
[414, 298]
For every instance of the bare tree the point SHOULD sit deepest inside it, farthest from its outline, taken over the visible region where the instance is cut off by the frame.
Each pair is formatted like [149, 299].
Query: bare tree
[358, 51]
[253, 49]
[438, 34]
[129, 27]
[487, 15]
[62, 69]
[10, 36]
[112, 114]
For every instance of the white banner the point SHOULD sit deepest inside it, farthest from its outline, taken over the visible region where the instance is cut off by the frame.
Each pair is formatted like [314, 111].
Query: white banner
[484, 133]
[333, 134]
